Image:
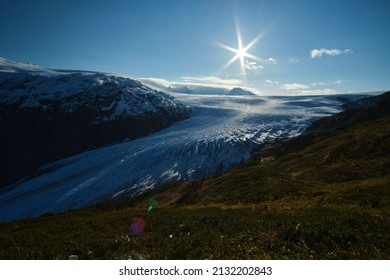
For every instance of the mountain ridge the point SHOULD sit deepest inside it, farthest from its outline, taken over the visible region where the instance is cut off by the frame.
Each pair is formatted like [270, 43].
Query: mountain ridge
[239, 91]
[365, 109]
[46, 115]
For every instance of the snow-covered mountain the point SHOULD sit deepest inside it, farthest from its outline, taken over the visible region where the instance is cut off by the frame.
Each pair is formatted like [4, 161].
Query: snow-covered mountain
[113, 96]
[46, 115]
[239, 91]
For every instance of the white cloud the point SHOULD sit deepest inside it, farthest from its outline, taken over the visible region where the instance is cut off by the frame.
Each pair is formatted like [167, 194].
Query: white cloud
[272, 60]
[318, 53]
[333, 52]
[269, 60]
[319, 91]
[294, 87]
[348, 51]
[293, 60]
[203, 84]
[210, 80]
[272, 82]
[338, 82]
[318, 84]
[156, 82]
[211, 84]
[307, 90]
[253, 66]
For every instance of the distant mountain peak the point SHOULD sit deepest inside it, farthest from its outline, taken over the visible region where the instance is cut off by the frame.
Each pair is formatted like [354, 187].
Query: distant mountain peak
[183, 89]
[239, 91]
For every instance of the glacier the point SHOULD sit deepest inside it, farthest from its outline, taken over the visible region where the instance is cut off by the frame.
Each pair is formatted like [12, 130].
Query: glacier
[223, 130]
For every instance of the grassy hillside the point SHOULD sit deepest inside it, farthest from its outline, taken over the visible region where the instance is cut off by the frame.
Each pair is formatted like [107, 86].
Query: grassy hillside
[323, 195]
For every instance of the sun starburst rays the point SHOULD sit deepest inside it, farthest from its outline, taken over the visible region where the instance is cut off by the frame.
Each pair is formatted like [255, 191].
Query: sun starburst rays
[241, 52]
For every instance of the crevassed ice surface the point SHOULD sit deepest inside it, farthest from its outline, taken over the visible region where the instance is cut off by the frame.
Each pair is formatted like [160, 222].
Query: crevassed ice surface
[223, 131]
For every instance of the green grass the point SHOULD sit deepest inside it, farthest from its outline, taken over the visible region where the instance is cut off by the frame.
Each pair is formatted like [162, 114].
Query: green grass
[323, 197]
[259, 232]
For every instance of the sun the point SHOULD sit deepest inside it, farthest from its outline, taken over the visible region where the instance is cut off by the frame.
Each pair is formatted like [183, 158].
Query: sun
[241, 51]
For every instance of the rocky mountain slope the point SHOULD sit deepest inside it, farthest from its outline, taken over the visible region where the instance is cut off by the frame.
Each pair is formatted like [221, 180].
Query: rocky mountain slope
[363, 110]
[46, 115]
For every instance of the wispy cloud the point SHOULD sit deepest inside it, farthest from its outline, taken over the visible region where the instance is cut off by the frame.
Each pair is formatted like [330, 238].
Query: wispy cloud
[210, 80]
[156, 82]
[272, 82]
[319, 84]
[307, 90]
[253, 66]
[315, 53]
[338, 82]
[294, 87]
[293, 60]
[319, 91]
[256, 66]
[269, 60]
[348, 51]
[195, 83]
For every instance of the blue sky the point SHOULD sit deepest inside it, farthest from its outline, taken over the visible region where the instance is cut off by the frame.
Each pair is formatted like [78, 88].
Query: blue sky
[305, 47]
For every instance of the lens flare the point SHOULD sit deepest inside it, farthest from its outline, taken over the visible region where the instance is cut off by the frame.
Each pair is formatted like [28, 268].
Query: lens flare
[137, 226]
